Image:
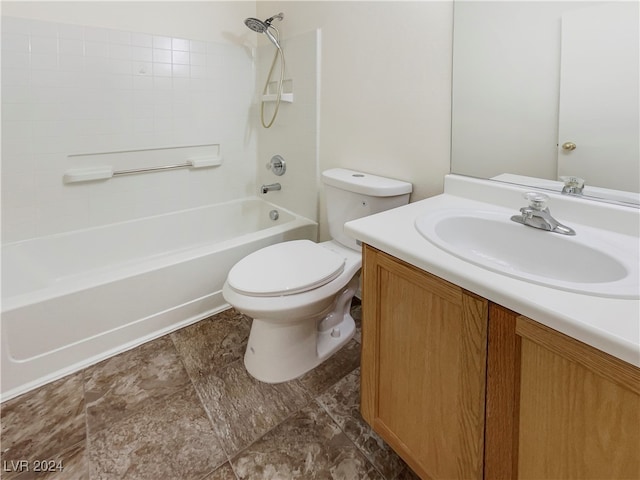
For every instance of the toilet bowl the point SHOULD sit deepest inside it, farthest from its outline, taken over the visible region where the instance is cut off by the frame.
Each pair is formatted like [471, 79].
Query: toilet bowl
[299, 292]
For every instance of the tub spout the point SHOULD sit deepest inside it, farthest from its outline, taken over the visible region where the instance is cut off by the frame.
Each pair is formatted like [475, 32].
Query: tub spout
[272, 186]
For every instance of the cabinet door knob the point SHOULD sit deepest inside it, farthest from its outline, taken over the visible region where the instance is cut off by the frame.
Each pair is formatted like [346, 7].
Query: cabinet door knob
[568, 146]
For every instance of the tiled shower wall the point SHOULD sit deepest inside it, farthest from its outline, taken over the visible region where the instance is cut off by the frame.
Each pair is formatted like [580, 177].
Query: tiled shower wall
[73, 89]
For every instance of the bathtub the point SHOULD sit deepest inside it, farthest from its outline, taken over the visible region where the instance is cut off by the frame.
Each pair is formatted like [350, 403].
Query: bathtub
[73, 299]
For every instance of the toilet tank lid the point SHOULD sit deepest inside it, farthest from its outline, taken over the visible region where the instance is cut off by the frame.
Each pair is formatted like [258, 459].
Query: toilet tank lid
[365, 183]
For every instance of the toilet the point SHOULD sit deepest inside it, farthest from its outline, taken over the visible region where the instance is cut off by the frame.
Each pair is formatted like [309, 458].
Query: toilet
[299, 292]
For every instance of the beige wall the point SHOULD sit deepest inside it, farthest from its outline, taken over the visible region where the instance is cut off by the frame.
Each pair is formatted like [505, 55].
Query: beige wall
[385, 86]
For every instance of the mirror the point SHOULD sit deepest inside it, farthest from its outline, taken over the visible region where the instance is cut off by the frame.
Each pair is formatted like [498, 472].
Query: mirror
[543, 90]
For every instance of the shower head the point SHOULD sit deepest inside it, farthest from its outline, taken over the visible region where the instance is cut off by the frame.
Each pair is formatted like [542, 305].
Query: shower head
[256, 25]
[259, 26]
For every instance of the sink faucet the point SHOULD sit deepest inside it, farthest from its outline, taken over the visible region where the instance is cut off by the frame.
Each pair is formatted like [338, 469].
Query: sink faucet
[537, 215]
[572, 185]
[272, 186]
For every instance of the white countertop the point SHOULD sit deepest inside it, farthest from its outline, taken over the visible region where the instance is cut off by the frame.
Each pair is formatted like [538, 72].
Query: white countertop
[610, 325]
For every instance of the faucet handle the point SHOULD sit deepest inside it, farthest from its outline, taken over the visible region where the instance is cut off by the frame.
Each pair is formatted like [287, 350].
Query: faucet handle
[537, 200]
[571, 181]
[277, 165]
[572, 184]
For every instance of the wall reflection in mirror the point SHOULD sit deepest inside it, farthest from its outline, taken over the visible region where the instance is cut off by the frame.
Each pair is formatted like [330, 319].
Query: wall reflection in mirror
[544, 91]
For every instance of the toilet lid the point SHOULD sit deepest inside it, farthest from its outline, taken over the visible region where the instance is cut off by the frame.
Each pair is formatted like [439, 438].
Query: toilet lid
[285, 268]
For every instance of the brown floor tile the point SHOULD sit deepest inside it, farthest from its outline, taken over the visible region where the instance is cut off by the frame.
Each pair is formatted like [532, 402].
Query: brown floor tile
[71, 464]
[145, 419]
[308, 445]
[342, 402]
[213, 343]
[225, 472]
[127, 382]
[170, 439]
[356, 313]
[333, 369]
[43, 422]
[243, 409]
[407, 474]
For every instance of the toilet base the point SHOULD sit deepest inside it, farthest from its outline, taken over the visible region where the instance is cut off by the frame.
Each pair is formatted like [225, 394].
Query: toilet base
[279, 352]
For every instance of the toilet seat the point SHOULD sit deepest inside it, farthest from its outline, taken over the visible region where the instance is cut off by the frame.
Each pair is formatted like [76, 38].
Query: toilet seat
[285, 269]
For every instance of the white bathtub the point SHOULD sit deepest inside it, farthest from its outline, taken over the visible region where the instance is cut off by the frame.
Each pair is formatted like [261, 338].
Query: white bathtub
[72, 299]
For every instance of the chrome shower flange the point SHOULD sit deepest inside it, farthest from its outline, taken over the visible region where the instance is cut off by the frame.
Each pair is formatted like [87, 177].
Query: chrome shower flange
[277, 165]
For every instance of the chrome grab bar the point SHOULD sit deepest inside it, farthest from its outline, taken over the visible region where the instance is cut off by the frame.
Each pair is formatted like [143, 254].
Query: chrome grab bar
[105, 172]
[133, 171]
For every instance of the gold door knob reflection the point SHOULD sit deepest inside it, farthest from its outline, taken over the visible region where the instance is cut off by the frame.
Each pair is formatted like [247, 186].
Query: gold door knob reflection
[569, 146]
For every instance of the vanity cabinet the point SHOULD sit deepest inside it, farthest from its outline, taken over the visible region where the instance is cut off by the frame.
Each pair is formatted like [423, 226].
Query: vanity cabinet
[423, 367]
[463, 388]
[557, 408]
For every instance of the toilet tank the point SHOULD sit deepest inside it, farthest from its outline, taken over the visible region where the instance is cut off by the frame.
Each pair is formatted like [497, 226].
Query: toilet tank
[350, 195]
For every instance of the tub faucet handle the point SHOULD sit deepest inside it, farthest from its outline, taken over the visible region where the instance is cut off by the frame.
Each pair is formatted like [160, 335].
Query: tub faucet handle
[277, 165]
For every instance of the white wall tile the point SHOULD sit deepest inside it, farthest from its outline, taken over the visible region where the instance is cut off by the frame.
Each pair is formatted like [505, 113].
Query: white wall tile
[96, 49]
[15, 76]
[45, 45]
[24, 164]
[49, 163]
[162, 69]
[142, 69]
[15, 42]
[19, 216]
[45, 111]
[95, 34]
[20, 191]
[120, 67]
[141, 40]
[96, 65]
[17, 129]
[161, 56]
[181, 58]
[162, 83]
[180, 44]
[74, 32]
[71, 63]
[144, 54]
[16, 25]
[43, 29]
[119, 36]
[120, 51]
[43, 61]
[198, 47]
[181, 70]
[162, 42]
[13, 59]
[85, 89]
[72, 46]
[17, 111]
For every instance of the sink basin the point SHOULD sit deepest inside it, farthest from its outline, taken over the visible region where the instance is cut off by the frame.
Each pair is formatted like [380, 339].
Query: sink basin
[593, 262]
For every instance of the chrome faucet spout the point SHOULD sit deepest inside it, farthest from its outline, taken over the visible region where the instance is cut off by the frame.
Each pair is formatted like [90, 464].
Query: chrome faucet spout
[264, 189]
[536, 215]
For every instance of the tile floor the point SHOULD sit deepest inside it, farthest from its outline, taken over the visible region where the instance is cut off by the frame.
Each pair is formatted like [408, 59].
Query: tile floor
[183, 407]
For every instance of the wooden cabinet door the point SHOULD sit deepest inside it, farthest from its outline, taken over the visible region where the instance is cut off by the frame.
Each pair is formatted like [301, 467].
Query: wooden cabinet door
[579, 409]
[557, 409]
[423, 367]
